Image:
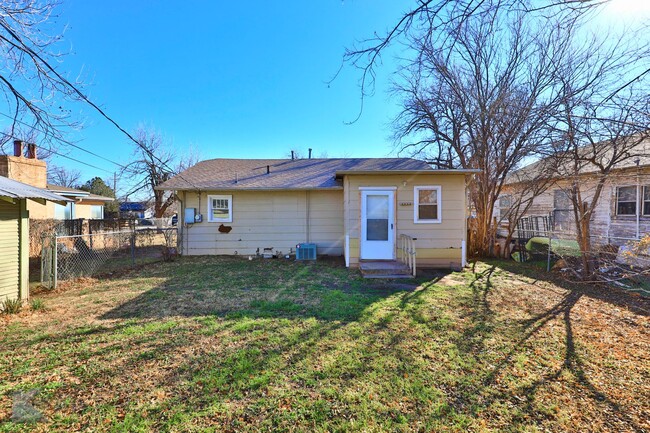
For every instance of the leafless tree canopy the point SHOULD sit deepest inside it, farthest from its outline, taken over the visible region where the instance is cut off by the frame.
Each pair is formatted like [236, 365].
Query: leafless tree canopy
[483, 102]
[154, 162]
[62, 176]
[35, 92]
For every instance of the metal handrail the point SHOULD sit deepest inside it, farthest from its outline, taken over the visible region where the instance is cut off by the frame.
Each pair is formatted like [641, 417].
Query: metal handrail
[406, 252]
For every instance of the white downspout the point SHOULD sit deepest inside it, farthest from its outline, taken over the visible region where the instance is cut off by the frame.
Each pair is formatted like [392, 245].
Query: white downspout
[463, 247]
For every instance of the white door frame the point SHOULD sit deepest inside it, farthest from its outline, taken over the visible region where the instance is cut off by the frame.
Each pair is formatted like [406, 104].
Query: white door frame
[386, 250]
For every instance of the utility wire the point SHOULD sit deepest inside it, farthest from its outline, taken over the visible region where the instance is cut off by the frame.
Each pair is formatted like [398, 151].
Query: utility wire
[83, 97]
[69, 143]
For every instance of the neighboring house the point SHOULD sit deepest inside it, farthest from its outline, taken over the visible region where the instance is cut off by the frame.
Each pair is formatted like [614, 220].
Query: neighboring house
[355, 207]
[32, 171]
[14, 234]
[623, 210]
[84, 204]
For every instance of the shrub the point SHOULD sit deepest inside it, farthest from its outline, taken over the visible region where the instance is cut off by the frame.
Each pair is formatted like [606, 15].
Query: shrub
[11, 306]
[37, 304]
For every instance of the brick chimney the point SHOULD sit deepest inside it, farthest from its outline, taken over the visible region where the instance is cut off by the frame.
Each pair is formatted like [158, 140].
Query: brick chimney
[27, 169]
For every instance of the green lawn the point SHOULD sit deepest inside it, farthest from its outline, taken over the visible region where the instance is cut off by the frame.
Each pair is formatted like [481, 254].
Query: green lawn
[226, 344]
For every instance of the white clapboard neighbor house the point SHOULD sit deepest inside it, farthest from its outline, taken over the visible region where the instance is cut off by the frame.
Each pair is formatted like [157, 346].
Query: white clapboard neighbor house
[365, 209]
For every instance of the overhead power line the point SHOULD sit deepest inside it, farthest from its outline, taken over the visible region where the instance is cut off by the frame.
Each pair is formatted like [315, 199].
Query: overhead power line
[69, 143]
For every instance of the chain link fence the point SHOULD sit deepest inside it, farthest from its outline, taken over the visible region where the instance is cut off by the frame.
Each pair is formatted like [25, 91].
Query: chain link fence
[622, 262]
[104, 253]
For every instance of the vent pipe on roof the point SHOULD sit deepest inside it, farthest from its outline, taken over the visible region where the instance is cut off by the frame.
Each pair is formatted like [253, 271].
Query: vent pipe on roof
[310, 153]
[268, 169]
[292, 155]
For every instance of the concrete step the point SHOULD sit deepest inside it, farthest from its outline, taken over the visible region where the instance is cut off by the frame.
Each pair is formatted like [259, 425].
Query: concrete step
[384, 269]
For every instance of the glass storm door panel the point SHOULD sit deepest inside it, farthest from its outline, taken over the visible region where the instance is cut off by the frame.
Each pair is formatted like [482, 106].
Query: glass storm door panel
[377, 225]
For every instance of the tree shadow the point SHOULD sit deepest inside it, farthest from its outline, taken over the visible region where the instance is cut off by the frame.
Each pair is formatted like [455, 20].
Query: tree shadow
[618, 297]
[481, 315]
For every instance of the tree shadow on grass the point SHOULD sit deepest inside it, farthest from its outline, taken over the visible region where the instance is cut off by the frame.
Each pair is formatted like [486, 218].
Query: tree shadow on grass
[482, 322]
[618, 297]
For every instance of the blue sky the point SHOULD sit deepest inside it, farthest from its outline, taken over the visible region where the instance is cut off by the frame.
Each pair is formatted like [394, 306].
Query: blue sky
[230, 79]
[233, 79]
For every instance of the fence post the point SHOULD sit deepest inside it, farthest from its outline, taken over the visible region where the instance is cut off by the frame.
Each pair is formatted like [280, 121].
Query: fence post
[54, 262]
[133, 247]
[43, 257]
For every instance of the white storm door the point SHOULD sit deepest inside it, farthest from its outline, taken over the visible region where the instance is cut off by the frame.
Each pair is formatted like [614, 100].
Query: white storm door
[377, 225]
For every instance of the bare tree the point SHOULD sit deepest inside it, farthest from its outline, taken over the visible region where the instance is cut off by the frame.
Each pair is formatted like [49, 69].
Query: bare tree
[62, 176]
[599, 127]
[483, 102]
[435, 20]
[154, 162]
[35, 92]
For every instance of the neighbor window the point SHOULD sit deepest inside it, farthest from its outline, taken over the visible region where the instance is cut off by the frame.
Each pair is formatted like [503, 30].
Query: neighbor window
[427, 204]
[626, 200]
[97, 212]
[64, 212]
[505, 203]
[646, 200]
[220, 208]
[562, 210]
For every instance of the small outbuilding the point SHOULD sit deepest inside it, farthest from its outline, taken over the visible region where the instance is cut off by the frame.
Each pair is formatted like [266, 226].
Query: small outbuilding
[14, 235]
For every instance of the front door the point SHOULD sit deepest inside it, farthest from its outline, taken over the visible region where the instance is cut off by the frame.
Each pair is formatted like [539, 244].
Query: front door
[377, 225]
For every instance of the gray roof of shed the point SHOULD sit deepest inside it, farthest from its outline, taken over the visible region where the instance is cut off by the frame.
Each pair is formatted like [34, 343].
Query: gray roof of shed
[17, 190]
[317, 173]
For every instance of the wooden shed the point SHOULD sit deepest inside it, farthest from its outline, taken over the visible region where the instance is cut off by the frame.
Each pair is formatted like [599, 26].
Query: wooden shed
[14, 235]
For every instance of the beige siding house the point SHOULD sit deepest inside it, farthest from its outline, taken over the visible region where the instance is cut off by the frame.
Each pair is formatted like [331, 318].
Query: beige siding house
[26, 168]
[351, 207]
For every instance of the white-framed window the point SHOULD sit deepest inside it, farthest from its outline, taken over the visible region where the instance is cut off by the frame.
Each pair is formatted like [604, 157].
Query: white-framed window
[427, 204]
[626, 200]
[220, 208]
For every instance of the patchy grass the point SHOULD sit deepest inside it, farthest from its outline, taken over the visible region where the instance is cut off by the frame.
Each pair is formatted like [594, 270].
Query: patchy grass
[225, 344]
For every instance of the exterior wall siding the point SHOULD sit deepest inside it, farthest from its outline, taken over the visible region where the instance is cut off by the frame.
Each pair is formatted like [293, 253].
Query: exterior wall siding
[437, 245]
[606, 226]
[9, 250]
[268, 219]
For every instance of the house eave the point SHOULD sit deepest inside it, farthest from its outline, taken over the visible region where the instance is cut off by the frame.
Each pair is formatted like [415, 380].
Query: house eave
[387, 172]
[224, 188]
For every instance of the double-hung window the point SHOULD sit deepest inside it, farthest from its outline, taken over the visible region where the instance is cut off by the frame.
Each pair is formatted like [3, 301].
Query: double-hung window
[219, 208]
[646, 200]
[427, 204]
[626, 200]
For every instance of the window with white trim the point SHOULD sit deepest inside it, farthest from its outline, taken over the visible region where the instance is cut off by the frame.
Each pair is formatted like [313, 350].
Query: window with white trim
[219, 208]
[427, 202]
[626, 200]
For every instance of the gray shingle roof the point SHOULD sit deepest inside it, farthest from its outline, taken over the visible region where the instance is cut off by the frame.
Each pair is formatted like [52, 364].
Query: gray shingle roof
[564, 166]
[13, 189]
[283, 173]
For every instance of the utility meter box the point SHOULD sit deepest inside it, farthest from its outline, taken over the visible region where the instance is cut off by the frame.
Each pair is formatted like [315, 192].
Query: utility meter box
[190, 215]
